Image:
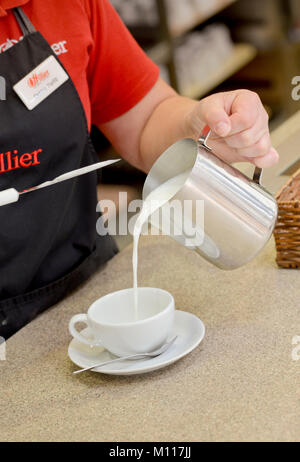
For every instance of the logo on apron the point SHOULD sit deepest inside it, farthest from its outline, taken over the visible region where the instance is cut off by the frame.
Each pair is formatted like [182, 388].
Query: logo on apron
[36, 79]
[8, 162]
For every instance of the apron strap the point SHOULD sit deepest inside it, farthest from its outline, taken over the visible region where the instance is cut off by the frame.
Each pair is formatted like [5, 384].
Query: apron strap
[24, 22]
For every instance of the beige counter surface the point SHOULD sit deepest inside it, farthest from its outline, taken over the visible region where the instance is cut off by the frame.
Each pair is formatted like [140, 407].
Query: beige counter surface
[240, 384]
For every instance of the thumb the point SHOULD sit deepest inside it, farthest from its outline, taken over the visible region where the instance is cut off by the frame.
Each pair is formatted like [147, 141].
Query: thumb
[213, 114]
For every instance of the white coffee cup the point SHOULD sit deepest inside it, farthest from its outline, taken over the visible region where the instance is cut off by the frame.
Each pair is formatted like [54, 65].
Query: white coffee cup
[112, 323]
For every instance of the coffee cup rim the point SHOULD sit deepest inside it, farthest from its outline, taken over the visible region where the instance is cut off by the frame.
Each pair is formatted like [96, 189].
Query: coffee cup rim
[170, 305]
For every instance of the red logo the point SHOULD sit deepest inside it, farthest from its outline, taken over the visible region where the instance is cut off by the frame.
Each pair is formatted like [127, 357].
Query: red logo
[36, 79]
[11, 160]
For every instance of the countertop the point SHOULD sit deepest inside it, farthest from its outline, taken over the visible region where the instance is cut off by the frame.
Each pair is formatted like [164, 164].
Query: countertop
[240, 384]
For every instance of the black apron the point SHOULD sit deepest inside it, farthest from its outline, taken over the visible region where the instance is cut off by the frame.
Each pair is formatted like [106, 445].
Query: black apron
[48, 240]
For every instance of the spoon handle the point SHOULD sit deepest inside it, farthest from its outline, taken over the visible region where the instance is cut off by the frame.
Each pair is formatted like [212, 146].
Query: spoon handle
[140, 355]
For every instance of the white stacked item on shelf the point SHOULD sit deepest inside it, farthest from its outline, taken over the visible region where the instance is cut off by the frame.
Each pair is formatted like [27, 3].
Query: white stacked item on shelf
[201, 53]
[181, 13]
[137, 12]
[206, 6]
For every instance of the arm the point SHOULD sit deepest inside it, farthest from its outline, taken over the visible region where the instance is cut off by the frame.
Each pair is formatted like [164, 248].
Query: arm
[238, 120]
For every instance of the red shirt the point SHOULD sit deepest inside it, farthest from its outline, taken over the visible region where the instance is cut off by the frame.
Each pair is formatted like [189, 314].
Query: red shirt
[110, 71]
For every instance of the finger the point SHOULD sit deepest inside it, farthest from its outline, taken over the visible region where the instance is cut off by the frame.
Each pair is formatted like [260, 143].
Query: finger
[259, 149]
[213, 113]
[245, 111]
[249, 137]
[271, 158]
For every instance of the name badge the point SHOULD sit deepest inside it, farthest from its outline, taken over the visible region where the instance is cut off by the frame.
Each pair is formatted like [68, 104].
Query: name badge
[40, 83]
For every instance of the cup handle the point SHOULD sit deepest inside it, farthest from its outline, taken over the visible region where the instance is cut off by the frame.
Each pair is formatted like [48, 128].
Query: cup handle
[74, 332]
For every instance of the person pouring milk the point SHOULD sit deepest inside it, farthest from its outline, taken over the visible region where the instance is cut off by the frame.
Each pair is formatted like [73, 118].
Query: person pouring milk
[95, 73]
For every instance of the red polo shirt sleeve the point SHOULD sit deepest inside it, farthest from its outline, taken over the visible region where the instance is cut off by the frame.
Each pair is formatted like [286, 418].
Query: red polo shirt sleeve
[120, 74]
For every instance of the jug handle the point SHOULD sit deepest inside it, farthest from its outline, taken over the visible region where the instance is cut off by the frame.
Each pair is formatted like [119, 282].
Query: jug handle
[203, 141]
[257, 175]
[204, 137]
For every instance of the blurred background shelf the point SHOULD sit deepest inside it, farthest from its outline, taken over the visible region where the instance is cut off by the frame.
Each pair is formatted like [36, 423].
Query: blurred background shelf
[212, 9]
[265, 37]
[242, 54]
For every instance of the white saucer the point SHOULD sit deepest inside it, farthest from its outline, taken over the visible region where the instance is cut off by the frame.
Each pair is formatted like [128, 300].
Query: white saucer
[189, 329]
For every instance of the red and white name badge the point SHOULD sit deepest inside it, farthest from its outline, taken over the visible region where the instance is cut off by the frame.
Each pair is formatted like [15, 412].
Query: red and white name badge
[41, 82]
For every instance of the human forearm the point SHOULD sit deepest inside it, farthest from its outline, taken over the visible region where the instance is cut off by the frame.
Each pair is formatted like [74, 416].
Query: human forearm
[167, 124]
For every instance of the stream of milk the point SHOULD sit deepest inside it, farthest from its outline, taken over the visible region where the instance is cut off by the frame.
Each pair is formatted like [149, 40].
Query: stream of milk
[156, 199]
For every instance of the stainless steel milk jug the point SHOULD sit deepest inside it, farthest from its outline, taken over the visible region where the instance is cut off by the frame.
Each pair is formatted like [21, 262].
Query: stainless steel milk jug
[239, 214]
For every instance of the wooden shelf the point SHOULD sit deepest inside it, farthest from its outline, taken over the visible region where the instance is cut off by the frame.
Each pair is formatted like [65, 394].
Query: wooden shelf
[200, 18]
[243, 53]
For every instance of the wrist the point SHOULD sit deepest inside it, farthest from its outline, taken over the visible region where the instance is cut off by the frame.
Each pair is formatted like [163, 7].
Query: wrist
[193, 124]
